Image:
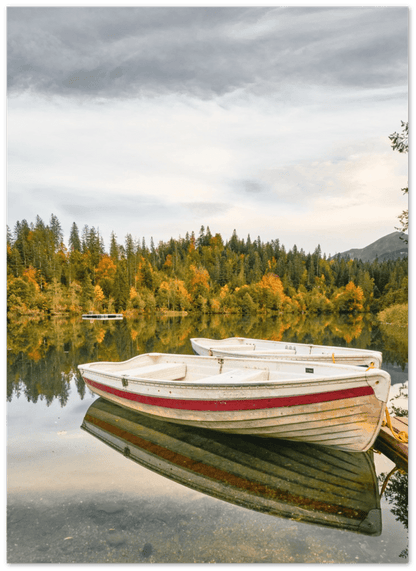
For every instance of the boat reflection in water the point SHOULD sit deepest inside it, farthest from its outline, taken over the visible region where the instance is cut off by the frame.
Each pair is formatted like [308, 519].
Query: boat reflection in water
[294, 480]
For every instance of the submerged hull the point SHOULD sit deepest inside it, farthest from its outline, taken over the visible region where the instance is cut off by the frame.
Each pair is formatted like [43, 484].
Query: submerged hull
[291, 480]
[343, 410]
[264, 349]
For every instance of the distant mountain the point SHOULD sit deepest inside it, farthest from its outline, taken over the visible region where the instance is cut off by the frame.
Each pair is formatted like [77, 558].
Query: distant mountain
[390, 247]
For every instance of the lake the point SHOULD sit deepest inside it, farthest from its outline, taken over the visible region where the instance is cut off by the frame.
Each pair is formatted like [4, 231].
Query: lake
[156, 493]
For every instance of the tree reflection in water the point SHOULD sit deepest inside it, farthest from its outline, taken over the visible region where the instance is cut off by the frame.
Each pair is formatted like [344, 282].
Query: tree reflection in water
[396, 493]
[43, 355]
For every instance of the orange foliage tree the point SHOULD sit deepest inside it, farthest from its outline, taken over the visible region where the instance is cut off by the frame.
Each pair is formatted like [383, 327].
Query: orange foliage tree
[198, 283]
[105, 273]
[349, 299]
[270, 293]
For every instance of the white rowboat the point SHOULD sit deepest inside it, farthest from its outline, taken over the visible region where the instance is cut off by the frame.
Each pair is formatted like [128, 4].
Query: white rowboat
[331, 405]
[264, 349]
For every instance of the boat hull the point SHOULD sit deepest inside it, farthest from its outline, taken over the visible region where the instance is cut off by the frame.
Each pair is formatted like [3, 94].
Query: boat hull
[345, 413]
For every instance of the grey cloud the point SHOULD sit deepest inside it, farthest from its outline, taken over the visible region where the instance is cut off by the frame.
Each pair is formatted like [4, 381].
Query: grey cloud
[206, 208]
[106, 212]
[117, 204]
[252, 187]
[128, 52]
[252, 191]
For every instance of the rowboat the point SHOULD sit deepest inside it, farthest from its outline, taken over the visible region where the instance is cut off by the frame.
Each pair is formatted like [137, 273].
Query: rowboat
[294, 480]
[264, 349]
[332, 405]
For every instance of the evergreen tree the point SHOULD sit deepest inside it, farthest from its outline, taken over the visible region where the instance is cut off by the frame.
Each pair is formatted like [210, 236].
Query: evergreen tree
[87, 294]
[121, 288]
[85, 239]
[74, 241]
[95, 246]
[21, 233]
[56, 229]
[130, 259]
[114, 248]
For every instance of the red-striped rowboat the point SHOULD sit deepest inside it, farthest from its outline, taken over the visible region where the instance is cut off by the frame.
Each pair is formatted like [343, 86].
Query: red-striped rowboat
[332, 405]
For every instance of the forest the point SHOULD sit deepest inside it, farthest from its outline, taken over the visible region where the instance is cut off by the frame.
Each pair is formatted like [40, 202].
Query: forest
[195, 274]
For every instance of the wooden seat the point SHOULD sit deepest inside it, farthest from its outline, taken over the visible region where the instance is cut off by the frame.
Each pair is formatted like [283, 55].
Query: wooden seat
[233, 347]
[276, 352]
[162, 371]
[236, 376]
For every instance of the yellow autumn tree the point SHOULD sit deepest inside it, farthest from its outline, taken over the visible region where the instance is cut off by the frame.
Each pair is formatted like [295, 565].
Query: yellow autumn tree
[349, 299]
[98, 297]
[172, 294]
[198, 283]
[168, 262]
[145, 276]
[136, 300]
[105, 273]
[224, 291]
[30, 275]
[270, 293]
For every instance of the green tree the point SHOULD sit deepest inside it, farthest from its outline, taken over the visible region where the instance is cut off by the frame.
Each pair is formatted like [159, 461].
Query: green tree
[55, 297]
[15, 262]
[114, 248]
[56, 230]
[74, 241]
[21, 233]
[87, 294]
[130, 259]
[121, 288]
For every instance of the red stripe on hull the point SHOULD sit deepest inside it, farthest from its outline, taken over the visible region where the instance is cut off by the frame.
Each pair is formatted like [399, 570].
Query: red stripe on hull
[230, 405]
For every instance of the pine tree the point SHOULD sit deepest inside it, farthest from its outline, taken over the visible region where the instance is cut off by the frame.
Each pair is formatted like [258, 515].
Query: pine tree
[87, 294]
[121, 288]
[130, 259]
[74, 241]
[56, 229]
[114, 248]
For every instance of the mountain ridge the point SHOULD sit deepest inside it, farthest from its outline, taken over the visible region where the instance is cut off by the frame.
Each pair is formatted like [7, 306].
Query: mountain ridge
[389, 247]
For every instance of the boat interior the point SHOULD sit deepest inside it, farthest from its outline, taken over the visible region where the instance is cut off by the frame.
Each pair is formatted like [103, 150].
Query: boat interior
[266, 347]
[213, 370]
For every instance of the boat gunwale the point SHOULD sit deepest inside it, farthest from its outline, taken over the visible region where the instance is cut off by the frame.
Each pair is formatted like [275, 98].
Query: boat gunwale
[249, 340]
[351, 374]
[271, 383]
[193, 359]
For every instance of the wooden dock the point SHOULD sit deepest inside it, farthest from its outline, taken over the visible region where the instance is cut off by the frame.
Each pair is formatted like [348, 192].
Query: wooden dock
[389, 445]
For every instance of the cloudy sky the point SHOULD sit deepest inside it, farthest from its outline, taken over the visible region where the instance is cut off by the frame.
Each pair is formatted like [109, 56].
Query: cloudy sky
[155, 121]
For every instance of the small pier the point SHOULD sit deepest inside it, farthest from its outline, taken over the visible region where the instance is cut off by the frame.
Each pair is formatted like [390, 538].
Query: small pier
[102, 316]
[393, 448]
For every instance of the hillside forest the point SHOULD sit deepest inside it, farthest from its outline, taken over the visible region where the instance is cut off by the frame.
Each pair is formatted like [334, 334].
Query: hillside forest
[194, 274]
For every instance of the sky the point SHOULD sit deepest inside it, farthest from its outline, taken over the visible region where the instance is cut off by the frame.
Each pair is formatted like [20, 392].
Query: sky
[154, 121]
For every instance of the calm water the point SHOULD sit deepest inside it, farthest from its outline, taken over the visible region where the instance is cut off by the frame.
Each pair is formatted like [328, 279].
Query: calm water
[74, 498]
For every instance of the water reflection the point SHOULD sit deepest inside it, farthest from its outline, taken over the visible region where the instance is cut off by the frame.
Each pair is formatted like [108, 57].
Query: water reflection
[43, 355]
[291, 480]
[395, 487]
